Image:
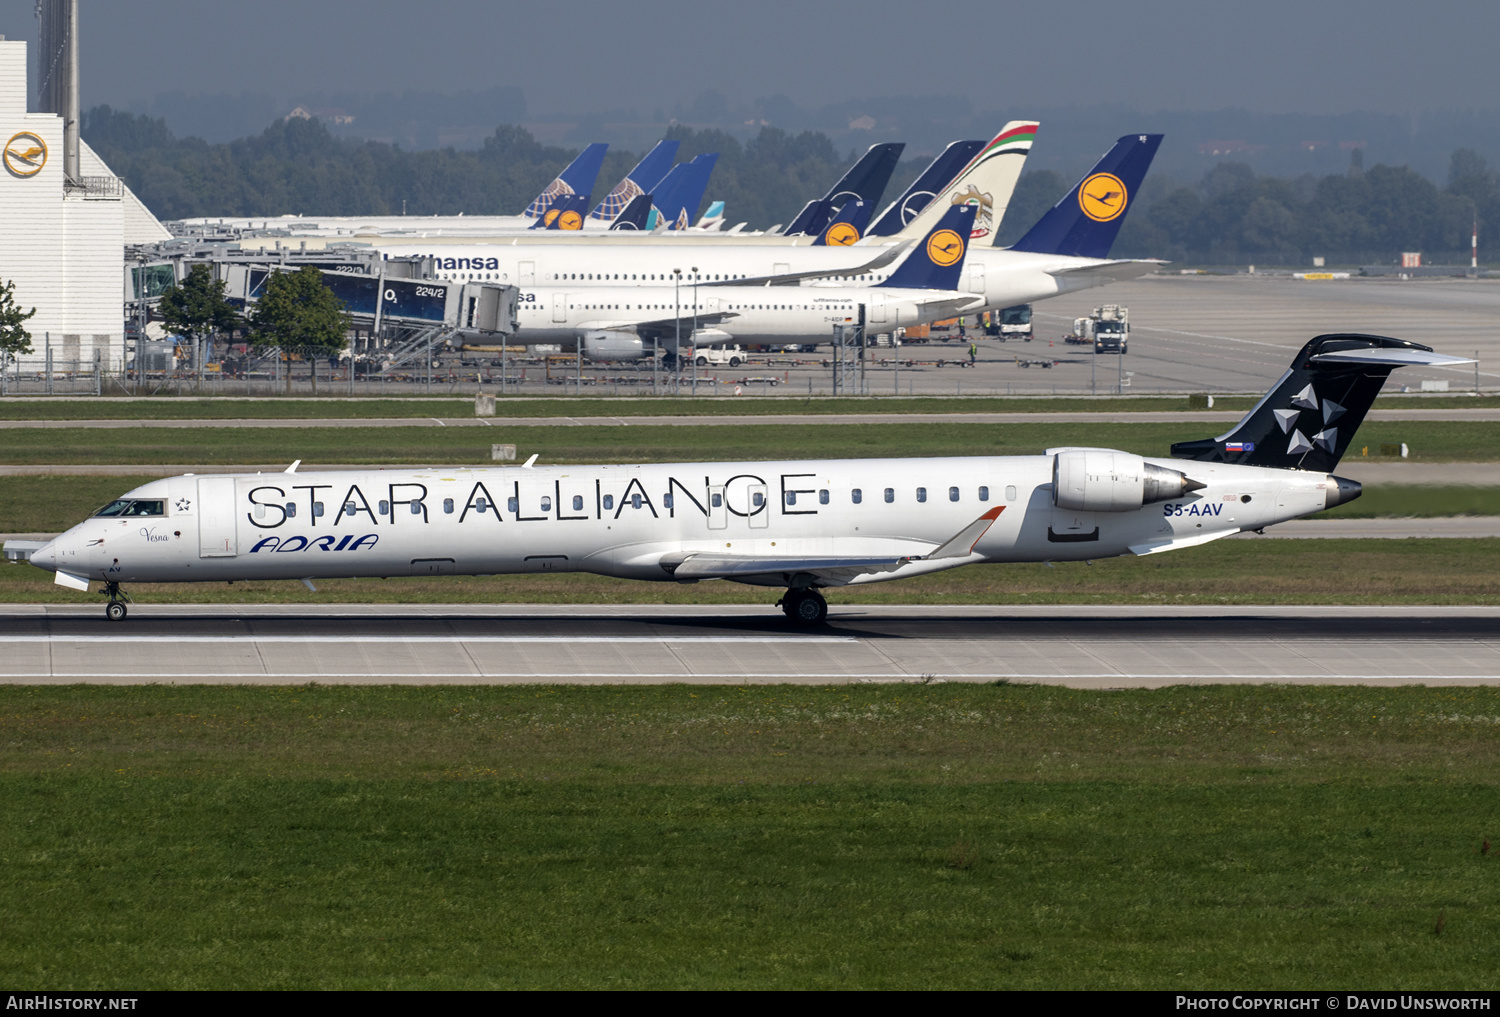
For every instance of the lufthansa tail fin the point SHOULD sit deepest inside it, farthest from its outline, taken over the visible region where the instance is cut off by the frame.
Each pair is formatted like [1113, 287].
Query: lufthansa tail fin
[1085, 223]
[847, 227]
[566, 213]
[865, 182]
[813, 217]
[938, 261]
[577, 178]
[646, 175]
[934, 178]
[635, 215]
[1307, 421]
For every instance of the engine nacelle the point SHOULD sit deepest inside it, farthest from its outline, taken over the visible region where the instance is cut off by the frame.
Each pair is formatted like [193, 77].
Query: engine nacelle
[612, 346]
[1102, 480]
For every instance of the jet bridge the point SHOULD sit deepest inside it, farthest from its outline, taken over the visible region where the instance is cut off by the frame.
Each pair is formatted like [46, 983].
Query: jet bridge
[464, 308]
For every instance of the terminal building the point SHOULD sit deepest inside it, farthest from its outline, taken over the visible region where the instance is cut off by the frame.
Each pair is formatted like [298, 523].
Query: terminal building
[67, 218]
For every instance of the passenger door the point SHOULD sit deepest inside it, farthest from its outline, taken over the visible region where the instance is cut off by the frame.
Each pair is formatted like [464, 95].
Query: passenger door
[216, 518]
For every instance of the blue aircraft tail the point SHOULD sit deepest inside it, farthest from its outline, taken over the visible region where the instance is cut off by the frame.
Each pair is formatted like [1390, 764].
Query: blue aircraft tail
[566, 213]
[635, 215]
[1085, 223]
[933, 179]
[938, 261]
[577, 178]
[644, 178]
[867, 178]
[847, 227]
[813, 217]
[680, 194]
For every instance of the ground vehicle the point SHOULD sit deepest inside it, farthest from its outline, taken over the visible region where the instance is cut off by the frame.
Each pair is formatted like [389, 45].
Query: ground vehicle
[1108, 328]
[719, 355]
[1012, 322]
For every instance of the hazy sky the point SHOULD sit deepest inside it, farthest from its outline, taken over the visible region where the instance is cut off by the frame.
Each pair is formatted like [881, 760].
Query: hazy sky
[1311, 56]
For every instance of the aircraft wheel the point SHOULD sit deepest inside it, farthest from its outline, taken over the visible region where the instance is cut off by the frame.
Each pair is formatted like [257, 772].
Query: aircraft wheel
[805, 607]
[115, 611]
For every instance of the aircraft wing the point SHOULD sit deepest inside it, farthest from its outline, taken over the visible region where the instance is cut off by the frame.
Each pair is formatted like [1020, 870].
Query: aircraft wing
[657, 324]
[834, 570]
[887, 255]
[958, 303]
[1101, 272]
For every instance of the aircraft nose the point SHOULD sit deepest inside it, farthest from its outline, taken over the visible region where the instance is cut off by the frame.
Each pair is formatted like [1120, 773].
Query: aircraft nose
[44, 557]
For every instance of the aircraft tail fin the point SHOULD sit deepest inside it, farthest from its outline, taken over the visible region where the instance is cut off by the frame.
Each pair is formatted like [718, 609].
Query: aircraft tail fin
[846, 227]
[1308, 419]
[1084, 224]
[566, 213]
[577, 178]
[646, 175]
[813, 217]
[713, 219]
[934, 178]
[678, 196]
[634, 216]
[938, 261]
[986, 182]
[867, 178]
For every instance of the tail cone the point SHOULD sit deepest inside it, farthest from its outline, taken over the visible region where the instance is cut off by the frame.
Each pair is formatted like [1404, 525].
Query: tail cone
[1340, 491]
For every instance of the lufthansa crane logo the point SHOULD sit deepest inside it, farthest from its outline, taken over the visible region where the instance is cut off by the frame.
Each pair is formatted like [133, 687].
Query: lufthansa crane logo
[841, 234]
[570, 220]
[550, 217]
[25, 154]
[945, 247]
[1102, 197]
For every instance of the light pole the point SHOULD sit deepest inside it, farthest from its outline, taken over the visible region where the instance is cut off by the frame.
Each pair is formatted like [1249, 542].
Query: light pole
[677, 315]
[694, 337]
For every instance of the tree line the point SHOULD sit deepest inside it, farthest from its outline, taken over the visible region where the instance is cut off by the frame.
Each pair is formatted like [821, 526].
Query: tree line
[1231, 216]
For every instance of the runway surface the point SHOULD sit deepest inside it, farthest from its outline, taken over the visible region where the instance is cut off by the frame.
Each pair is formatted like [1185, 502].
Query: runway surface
[1084, 647]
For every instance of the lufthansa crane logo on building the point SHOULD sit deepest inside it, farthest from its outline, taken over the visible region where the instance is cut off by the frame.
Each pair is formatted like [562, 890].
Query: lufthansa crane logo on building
[25, 154]
[841, 234]
[1102, 197]
[945, 247]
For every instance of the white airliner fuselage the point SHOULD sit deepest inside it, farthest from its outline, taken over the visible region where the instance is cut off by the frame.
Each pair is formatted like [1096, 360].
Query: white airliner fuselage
[794, 524]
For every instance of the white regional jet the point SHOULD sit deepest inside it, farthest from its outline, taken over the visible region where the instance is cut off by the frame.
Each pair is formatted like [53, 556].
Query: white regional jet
[803, 526]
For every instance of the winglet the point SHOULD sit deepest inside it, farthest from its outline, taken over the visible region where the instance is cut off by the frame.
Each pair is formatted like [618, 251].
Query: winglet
[961, 545]
[293, 468]
[528, 464]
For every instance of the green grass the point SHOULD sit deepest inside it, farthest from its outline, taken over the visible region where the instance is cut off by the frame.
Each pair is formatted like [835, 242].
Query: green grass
[1418, 501]
[677, 837]
[194, 408]
[337, 407]
[1430, 441]
[1236, 571]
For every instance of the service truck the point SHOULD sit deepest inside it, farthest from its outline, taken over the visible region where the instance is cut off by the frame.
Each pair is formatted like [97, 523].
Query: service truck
[1013, 323]
[1108, 328]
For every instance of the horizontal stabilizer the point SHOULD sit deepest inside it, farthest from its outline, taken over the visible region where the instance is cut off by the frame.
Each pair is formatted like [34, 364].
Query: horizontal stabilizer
[1391, 358]
[886, 256]
[1102, 273]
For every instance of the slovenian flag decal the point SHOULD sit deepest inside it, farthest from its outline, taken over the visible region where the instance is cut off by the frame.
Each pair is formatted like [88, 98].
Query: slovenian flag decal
[1239, 446]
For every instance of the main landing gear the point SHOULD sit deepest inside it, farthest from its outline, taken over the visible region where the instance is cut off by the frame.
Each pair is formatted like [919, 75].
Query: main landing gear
[115, 609]
[804, 606]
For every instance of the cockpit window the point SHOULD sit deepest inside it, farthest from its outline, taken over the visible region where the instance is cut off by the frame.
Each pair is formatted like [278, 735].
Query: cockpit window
[133, 507]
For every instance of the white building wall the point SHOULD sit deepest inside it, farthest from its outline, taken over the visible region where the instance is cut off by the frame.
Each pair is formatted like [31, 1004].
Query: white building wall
[64, 252]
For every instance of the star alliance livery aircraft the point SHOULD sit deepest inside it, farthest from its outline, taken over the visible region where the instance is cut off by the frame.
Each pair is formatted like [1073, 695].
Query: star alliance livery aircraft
[802, 526]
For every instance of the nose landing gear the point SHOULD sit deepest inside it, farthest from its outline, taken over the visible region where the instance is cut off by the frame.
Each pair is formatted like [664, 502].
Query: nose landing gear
[804, 606]
[115, 610]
